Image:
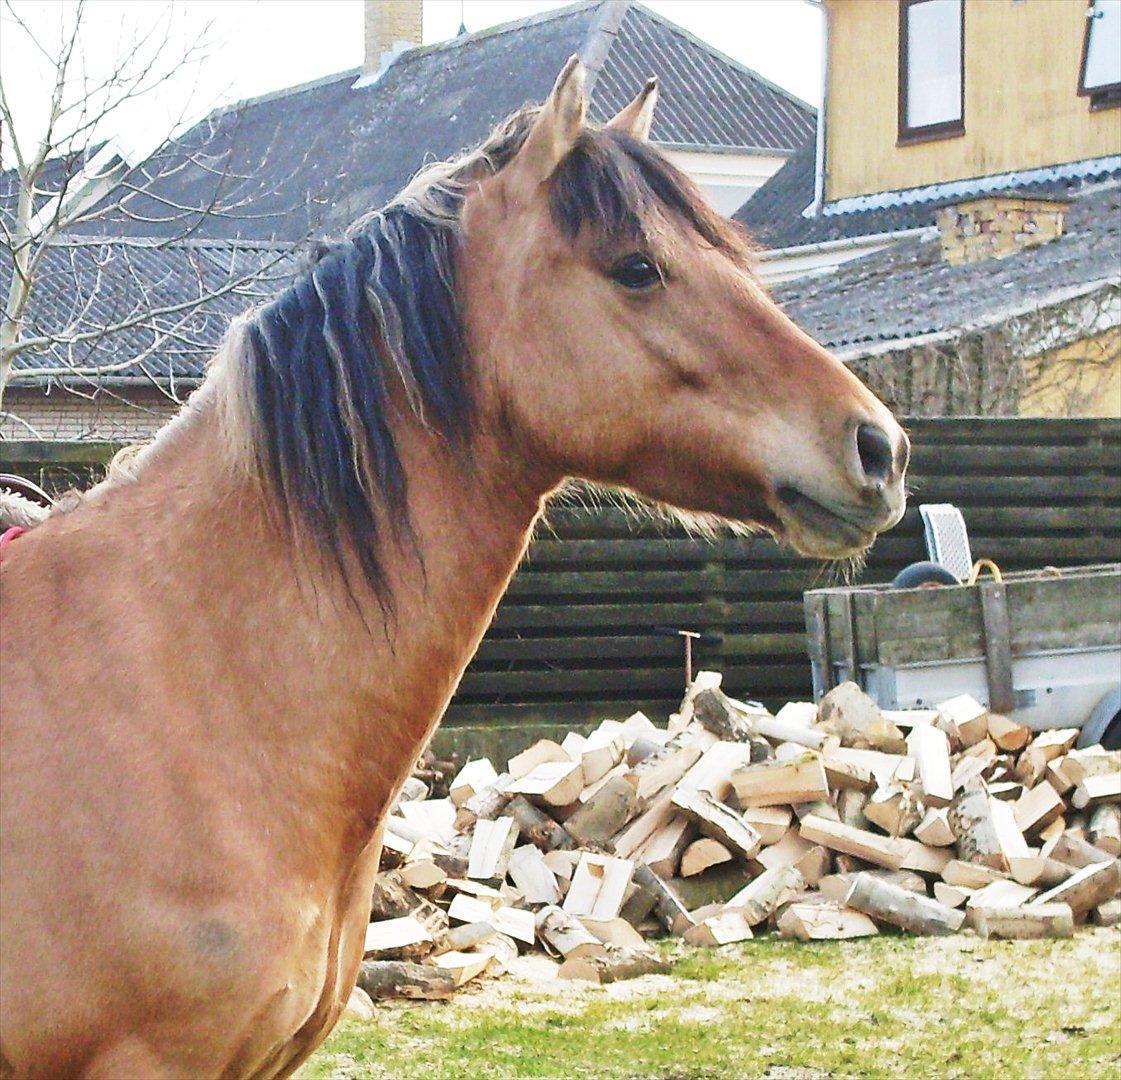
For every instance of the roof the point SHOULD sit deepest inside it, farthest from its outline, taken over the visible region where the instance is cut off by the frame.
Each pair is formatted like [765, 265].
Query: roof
[173, 301]
[774, 213]
[908, 291]
[313, 158]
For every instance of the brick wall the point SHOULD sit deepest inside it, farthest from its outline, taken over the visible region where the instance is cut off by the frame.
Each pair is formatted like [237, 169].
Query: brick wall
[997, 226]
[119, 415]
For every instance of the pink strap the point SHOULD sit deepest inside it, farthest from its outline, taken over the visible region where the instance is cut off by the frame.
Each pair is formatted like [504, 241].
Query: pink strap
[8, 535]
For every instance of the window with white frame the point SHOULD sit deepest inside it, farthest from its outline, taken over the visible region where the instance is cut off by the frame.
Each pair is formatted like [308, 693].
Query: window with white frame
[931, 69]
[1100, 77]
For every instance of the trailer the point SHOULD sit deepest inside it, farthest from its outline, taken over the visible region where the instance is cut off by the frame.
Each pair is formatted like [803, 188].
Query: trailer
[1042, 646]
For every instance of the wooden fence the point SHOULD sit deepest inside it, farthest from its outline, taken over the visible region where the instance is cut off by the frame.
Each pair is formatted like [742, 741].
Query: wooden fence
[586, 628]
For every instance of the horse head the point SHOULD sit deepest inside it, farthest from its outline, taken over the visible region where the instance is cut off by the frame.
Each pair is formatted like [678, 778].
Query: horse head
[625, 338]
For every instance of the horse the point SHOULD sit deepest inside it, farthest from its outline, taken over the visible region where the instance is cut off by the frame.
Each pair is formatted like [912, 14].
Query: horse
[221, 666]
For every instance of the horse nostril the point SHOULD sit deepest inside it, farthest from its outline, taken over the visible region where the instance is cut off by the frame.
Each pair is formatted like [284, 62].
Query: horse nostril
[875, 452]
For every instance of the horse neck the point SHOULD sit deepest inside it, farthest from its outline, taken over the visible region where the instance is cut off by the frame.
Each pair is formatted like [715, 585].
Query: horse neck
[328, 708]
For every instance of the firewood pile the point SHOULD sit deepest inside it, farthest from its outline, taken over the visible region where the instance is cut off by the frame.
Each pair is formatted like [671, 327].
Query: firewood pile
[823, 821]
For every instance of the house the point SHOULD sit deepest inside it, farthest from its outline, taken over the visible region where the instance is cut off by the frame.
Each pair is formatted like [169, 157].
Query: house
[953, 229]
[307, 161]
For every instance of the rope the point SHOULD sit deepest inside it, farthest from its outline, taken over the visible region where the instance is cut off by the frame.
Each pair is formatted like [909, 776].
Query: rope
[984, 564]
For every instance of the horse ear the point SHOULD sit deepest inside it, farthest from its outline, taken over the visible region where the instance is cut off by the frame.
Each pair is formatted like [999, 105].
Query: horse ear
[557, 125]
[635, 119]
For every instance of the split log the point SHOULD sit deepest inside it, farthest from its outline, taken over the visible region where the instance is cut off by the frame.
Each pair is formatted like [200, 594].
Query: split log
[514, 922]
[566, 935]
[927, 860]
[669, 909]
[530, 873]
[713, 711]
[662, 852]
[971, 818]
[1037, 808]
[970, 875]
[615, 965]
[836, 887]
[712, 773]
[725, 928]
[968, 716]
[1093, 761]
[462, 966]
[1057, 777]
[850, 713]
[824, 922]
[435, 818]
[761, 897]
[935, 830]
[1077, 852]
[554, 783]
[1086, 888]
[1007, 734]
[886, 769]
[770, 822]
[424, 874]
[814, 865]
[391, 898]
[998, 894]
[466, 936]
[702, 854]
[359, 1005]
[1026, 922]
[846, 774]
[784, 729]
[502, 950]
[899, 907]
[881, 850]
[787, 852]
[542, 752]
[1038, 870]
[492, 843]
[1044, 748]
[667, 767]
[1108, 914]
[823, 808]
[474, 777]
[405, 938]
[716, 820]
[850, 810]
[599, 886]
[537, 827]
[1105, 829]
[1093, 791]
[631, 840]
[486, 804]
[616, 933]
[604, 814]
[954, 896]
[394, 979]
[601, 752]
[931, 750]
[781, 784]
[893, 809]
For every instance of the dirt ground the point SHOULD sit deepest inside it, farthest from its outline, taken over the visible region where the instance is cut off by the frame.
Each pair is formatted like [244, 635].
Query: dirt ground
[891, 1006]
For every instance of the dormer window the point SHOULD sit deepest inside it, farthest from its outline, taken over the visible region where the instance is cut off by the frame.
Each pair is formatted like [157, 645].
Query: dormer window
[1100, 76]
[931, 69]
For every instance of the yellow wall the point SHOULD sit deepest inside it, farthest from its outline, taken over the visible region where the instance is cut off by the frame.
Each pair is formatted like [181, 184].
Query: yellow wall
[1080, 379]
[1022, 109]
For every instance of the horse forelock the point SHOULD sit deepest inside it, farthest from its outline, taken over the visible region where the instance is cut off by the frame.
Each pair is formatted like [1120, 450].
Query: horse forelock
[377, 317]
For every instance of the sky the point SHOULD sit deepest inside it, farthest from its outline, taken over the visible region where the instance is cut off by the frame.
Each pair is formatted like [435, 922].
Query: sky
[253, 47]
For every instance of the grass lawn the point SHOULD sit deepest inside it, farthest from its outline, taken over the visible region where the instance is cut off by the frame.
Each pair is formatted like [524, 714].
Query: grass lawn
[883, 1007]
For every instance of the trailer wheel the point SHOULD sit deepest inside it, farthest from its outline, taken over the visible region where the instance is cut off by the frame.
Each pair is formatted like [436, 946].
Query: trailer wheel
[923, 573]
[1103, 725]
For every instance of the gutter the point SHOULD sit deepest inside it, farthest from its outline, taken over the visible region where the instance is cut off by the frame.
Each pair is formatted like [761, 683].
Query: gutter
[845, 243]
[822, 114]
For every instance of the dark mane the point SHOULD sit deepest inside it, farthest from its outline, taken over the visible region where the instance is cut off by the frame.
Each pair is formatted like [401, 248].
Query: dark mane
[381, 307]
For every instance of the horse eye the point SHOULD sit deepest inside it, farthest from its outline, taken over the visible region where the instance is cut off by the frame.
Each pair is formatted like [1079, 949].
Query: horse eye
[636, 272]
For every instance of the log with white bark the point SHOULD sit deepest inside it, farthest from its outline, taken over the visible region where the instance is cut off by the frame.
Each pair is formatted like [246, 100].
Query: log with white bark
[537, 827]
[606, 813]
[824, 922]
[1026, 922]
[931, 750]
[486, 804]
[715, 819]
[615, 965]
[669, 909]
[902, 908]
[631, 840]
[406, 938]
[566, 935]
[396, 979]
[761, 897]
[541, 752]
[1086, 888]
[554, 783]
[1105, 829]
[712, 773]
[774, 784]
[884, 851]
[971, 818]
[724, 928]
[1093, 791]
